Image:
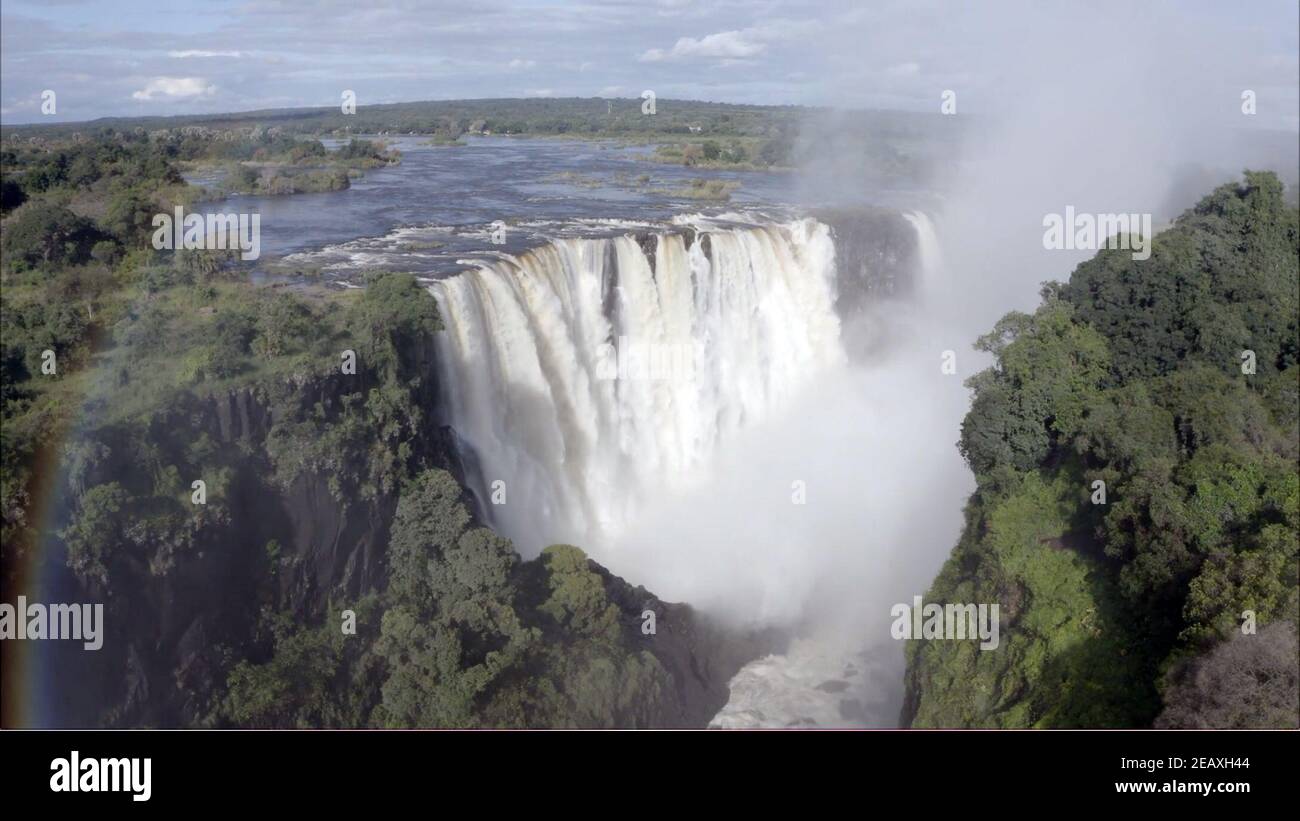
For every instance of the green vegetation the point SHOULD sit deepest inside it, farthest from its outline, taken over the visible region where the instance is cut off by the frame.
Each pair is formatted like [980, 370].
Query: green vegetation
[78, 270]
[1133, 374]
[367, 154]
[269, 162]
[74, 249]
[468, 637]
[464, 634]
[173, 366]
[739, 153]
[274, 180]
[704, 189]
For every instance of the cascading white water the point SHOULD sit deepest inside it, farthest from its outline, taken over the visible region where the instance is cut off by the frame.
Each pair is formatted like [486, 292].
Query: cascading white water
[928, 253]
[886, 489]
[705, 338]
[682, 481]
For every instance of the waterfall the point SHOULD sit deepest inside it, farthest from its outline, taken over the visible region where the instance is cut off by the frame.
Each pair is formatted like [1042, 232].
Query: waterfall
[930, 259]
[587, 374]
[655, 398]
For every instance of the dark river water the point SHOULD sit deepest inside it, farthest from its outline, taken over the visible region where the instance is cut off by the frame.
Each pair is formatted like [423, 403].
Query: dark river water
[443, 206]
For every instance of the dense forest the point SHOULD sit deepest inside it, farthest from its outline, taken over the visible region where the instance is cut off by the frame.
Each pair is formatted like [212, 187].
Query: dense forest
[331, 570]
[534, 116]
[1137, 514]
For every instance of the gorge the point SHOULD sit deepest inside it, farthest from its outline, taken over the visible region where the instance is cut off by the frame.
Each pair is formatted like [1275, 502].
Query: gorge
[578, 457]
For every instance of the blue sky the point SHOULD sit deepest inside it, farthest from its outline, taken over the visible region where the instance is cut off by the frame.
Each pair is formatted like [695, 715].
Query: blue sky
[151, 58]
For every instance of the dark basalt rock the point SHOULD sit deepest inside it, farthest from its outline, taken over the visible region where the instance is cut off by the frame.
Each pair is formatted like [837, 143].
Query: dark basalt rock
[876, 253]
[701, 654]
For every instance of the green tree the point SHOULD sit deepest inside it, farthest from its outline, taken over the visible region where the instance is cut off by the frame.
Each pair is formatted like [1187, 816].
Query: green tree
[130, 217]
[96, 530]
[11, 195]
[44, 234]
[428, 523]
[392, 317]
[577, 598]
[1048, 372]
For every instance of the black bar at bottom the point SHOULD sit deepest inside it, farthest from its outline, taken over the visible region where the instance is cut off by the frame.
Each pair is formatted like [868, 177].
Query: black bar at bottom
[205, 770]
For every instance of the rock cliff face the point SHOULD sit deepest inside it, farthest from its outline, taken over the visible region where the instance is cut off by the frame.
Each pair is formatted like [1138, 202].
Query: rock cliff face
[182, 607]
[701, 655]
[171, 631]
[876, 254]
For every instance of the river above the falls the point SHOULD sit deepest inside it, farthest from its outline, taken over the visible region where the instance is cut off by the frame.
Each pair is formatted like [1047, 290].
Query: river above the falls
[443, 208]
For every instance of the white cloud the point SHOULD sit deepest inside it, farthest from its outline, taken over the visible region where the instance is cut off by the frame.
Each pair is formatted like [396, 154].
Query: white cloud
[174, 87]
[903, 70]
[517, 63]
[196, 52]
[610, 91]
[541, 92]
[724, 44]
[30, 104]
